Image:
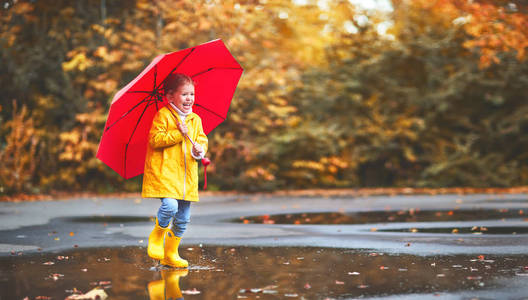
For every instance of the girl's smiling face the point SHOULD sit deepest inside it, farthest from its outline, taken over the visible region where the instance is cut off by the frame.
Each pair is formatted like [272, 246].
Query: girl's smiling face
[183, 97]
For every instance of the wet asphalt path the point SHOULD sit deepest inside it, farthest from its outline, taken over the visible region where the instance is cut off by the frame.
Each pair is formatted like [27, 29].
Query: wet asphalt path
[50, 226]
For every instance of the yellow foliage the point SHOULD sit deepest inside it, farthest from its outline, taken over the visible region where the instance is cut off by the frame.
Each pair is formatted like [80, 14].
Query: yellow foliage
[80, 144]
[106, 85]
[78, 62]
[306, 164]
[259, 173]
[281, 111]
[18, 157]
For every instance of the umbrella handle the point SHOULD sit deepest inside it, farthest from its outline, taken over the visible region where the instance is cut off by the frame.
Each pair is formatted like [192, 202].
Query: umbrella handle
[205, 162]
[192, 142]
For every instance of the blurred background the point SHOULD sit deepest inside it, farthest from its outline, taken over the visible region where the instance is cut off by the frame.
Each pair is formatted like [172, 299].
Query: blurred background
[363, 93]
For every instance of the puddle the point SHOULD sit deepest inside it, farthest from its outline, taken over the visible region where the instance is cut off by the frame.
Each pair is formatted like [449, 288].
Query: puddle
[466, 230]
[505, 200]
[386, 216]
[254, 272]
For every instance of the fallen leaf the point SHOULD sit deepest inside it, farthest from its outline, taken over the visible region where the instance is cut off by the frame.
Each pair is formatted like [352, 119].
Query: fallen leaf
[71, 233]
[55, 276]
[362, 286]
[96, 293]
[194, 291]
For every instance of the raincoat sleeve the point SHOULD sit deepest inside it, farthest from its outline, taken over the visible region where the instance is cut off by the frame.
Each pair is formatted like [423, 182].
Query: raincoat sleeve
[161, 135]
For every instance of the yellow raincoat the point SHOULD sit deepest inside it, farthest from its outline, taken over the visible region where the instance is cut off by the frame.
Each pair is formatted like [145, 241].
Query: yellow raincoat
[170, 169]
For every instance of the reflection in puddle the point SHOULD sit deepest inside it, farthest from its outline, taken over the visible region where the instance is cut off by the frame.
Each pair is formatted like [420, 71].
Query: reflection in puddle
[243, 272]
[472, 230]
[168, 287]
[411, 215]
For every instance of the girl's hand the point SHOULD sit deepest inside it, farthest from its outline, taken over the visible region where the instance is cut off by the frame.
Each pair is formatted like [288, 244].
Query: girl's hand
[197, 149]
[183, 128]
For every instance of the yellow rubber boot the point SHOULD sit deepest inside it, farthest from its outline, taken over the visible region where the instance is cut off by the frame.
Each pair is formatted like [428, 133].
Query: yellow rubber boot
[172, 282]
[171, 256]
[155, 242]
[156, 290]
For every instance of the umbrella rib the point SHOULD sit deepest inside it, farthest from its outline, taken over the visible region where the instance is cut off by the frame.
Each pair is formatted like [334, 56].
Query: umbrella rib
[213, 68]
[213, 112]
[132, 92]
[155, 88]
[178, 65]
[126, 113]
[134, 131]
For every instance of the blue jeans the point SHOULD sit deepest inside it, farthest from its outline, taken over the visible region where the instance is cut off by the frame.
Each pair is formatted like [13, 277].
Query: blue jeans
[177, 210]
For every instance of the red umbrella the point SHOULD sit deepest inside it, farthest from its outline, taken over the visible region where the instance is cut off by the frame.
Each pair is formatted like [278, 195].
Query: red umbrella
[124, 142]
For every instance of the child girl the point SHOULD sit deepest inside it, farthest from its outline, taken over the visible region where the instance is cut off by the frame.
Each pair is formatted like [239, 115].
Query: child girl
[176, 143]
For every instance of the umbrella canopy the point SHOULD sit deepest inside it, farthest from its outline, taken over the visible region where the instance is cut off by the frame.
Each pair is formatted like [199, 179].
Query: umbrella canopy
[216, 73]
